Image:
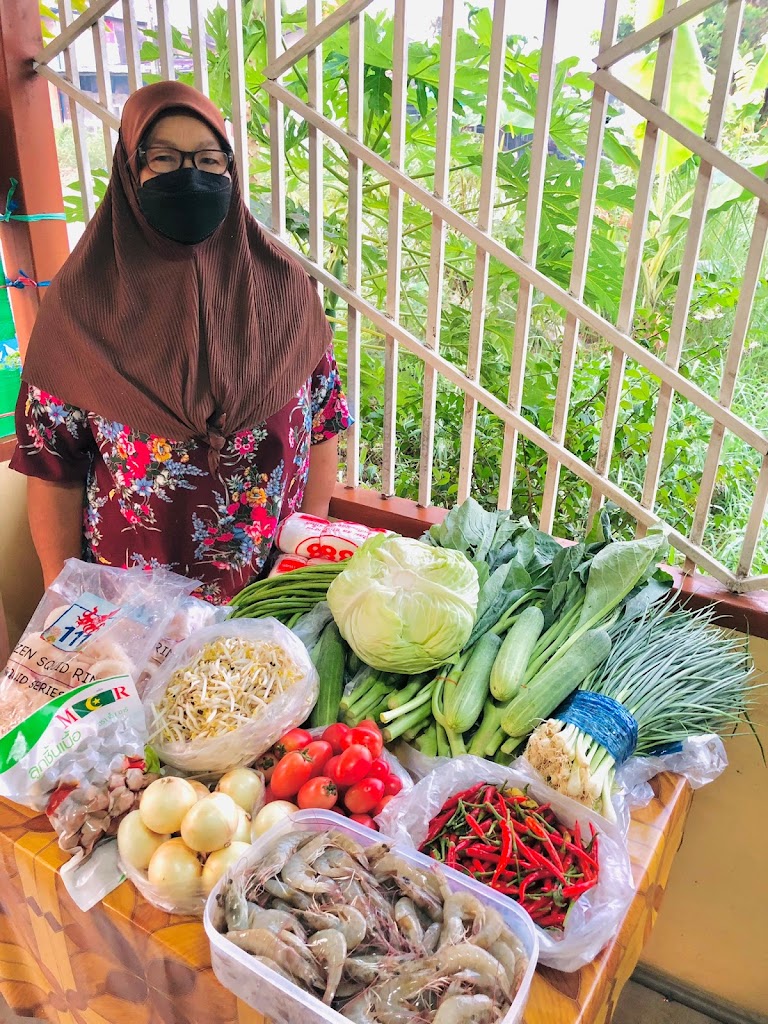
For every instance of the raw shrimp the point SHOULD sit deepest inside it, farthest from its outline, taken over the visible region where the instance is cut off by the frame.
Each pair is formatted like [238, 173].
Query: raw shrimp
[235, 906]
[463, 1009]
[466, 957]
[408, 921]
[514, 966]
[486, 924]
[336, 864]
[260, 943]
[351, 924]
[278, 855]
[298, 874]
[276, 968]
[390, 999]
[360, 1009]
[432, 937]
[275, 921]
[284, 892]
[413, 881]
[330, 949]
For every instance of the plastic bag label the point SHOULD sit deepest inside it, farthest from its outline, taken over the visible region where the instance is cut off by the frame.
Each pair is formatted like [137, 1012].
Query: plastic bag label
[43, 739]
[80, 622]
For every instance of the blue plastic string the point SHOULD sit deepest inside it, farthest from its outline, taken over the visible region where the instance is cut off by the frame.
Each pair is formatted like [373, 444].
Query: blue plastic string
[11, 204]
[604, 719]
[23, 281]
[666, 748]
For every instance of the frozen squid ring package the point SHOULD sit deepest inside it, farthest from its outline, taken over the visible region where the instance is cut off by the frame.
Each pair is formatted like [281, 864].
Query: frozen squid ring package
[70, 713]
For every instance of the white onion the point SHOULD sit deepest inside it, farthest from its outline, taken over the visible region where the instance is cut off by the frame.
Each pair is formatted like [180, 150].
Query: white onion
[165, 802]
[136, 843]
[175, 870]
[243, 830]
[245, 786]
[211, 823]
[269, 816]
[199, 788]
[220, 861]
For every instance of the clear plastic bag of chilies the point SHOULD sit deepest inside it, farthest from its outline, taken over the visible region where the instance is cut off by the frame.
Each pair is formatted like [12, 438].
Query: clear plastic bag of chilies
[595, 917]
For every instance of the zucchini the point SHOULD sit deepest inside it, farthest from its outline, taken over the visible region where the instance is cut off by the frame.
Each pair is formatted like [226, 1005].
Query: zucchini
[328, 658]
[463, 698]
[512, 660]
[538, 698]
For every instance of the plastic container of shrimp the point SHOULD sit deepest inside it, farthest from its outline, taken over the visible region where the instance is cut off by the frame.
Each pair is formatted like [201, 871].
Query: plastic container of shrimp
[283, 1002]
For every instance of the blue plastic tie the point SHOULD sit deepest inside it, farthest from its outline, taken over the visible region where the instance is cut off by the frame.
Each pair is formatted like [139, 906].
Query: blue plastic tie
[11, 205]
[606, 720]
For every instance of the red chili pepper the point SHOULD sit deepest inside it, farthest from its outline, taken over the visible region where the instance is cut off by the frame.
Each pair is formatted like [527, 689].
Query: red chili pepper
[572, 892]
[538, 830]
[473, 824]
[506, 852]
[553, 920]
[450, 856]
[465, 796]
[438, 824]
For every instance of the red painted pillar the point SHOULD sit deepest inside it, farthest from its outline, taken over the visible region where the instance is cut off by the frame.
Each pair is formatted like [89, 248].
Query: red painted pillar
[27, 153]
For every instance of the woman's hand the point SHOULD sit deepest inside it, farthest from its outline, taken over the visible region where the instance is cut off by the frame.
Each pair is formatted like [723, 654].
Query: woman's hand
[55, 512]
[323, 469]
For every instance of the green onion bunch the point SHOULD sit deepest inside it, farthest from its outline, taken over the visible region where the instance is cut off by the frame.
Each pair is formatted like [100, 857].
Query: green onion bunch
[675, 672]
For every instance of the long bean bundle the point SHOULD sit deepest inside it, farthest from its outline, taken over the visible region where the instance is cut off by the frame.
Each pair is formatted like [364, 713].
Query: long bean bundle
[288, 596]
[670, 675]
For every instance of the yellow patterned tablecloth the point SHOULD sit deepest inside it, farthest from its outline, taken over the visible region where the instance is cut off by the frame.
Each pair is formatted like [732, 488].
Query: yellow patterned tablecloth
[126, 962]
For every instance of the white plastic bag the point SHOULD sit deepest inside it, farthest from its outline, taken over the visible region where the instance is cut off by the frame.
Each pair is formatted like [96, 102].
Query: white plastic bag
[192, 614]
[595, 917]
[252, 736]
[699, 759]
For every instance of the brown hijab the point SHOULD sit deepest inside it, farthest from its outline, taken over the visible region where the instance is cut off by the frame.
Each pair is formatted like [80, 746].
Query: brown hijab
[183, 341]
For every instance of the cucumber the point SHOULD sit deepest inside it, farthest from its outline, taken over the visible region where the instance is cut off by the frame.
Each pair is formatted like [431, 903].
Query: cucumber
[328, 658]
[538, 698]
[512, 660]
[463, 699]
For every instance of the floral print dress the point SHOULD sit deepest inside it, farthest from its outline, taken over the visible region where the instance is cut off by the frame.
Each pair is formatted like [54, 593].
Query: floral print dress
[152, 501]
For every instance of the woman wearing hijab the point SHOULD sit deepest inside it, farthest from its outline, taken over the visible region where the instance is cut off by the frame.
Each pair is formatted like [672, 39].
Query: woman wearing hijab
[180, 392]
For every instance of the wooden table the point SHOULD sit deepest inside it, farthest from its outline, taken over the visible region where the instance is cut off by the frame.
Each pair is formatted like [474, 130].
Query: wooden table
[127, 963]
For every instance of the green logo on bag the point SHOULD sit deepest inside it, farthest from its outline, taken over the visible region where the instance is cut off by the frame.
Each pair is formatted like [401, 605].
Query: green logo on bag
[95, 702]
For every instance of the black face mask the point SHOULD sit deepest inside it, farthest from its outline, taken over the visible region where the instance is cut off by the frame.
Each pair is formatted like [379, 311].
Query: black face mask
[186, 205]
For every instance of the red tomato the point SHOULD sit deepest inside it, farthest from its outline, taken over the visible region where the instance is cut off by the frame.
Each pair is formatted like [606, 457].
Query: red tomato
[354, 764]
[364, 796]
[266, 764]
[368, 737]
[364, 819]
[331, 766]
[320, 752]
[318, 792]
[392, 785]
[379, 770]
[334, 735]
[291, 773]
[296, 739]
[382, 805]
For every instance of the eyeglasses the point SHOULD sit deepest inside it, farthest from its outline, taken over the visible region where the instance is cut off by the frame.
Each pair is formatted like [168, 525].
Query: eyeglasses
[162, 159]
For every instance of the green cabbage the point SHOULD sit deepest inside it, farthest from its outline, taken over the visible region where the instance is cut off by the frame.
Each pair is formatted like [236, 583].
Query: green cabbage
[403, 606]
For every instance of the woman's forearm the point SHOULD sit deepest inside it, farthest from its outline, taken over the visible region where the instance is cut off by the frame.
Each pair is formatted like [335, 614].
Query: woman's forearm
[55, 512]
[323, 469]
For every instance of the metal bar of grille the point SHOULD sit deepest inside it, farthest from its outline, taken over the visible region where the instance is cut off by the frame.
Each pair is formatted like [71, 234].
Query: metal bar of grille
[649, 33]
[278, 66]
[276, 124]
[482, 256]
[437, 244]
[589, 181]
[354, 242]
[731, 370]
[694, 235]
[755, 521]
[666, 123]
[199, 45]
[79, 135]
[394, 244]
[77, 94]
[497, 250]
[315, 87]
[537, 174]
[165, 41]
[132, 45]
[104, 84]
[237, 88]
[75, 29]
[659, 89]
[453, 374]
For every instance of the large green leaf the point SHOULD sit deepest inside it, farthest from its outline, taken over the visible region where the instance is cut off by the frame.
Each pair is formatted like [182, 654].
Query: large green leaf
[689, 92]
